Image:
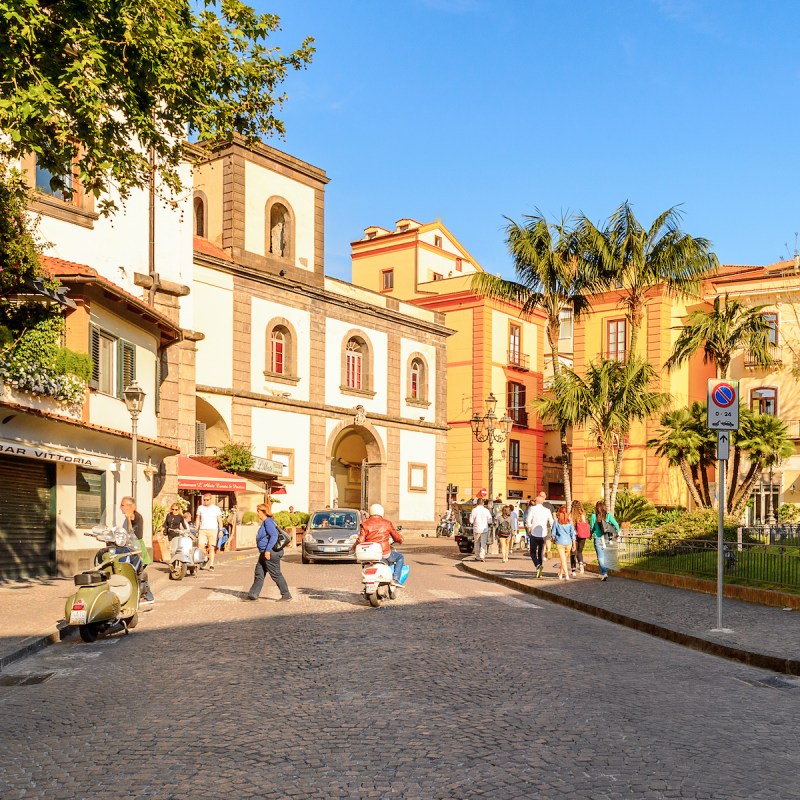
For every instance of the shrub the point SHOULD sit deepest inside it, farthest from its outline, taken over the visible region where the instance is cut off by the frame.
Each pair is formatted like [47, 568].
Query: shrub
[284, 519]
[669, 515]
[235, 457]
[302, 518]
[634, 509]
[159, 517]
[70, 362]
[249, 518]
[789, 512]
[700, 524]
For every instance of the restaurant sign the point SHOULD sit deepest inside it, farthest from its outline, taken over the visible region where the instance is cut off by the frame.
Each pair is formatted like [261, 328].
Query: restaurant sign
[52, 454]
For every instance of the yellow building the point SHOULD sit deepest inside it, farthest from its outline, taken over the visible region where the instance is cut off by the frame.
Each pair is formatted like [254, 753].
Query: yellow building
[493, 350]
[773, 390]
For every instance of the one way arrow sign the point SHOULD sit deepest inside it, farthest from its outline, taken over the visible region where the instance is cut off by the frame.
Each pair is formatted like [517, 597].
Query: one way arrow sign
[723, 445]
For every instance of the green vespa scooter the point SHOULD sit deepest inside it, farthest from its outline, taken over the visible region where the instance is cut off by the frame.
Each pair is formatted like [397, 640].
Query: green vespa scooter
[107, 597]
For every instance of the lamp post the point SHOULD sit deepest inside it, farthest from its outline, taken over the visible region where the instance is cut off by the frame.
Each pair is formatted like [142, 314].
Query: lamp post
[490, 429]
[134, 401]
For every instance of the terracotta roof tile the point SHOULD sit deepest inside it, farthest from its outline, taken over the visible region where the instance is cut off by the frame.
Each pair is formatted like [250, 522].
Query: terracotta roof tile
[202, 245]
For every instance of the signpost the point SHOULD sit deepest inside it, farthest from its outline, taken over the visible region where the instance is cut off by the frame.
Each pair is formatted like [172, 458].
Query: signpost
[723, 417]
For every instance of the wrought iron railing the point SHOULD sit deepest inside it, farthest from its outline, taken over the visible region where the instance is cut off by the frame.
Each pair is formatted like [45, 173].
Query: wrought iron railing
[784, 533]
[518, 360]
[519, 416]
[764, 563]
[792, 428]
[751, 361]
[517, 470]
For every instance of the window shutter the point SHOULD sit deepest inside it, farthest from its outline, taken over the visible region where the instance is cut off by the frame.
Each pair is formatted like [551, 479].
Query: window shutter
[94, 352]
[158, 383]
[126, 366]
[199, 438]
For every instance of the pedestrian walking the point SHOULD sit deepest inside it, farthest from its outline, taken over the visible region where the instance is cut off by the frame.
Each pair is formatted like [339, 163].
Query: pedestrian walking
[564, 537]
[505, 529]
[602, 524]
[480, 519]
[269, 561]
[538, 520]
[209, 527]
[582, 532]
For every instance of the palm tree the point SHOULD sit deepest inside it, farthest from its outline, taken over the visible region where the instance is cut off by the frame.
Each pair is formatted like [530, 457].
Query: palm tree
[607, 401]
[679, 443]
[766, 443]
[727, 327]
[638, 260]
[550, 276]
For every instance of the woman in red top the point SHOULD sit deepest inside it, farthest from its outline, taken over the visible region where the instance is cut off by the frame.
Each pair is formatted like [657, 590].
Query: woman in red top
[582, 533]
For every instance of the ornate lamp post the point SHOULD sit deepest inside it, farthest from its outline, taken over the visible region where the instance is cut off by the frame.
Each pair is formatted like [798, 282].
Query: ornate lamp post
[134, 401]
[489, 429]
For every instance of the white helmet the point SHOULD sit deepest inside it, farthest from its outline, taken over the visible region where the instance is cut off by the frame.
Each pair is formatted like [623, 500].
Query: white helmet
[376, 510]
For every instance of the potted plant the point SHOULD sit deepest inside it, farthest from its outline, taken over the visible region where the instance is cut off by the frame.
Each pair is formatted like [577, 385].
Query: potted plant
[160, 542]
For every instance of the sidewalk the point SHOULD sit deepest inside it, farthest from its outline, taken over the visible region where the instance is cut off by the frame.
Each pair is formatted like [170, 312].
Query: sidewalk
[761, 636]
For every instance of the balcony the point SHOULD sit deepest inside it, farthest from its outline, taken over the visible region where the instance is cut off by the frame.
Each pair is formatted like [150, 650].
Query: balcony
[518, 361]
[792, 428]
[518, 471]
[751, 362]
[519, 417]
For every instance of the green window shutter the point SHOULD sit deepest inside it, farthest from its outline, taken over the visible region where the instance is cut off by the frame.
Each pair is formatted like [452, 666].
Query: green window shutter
[126, 366]
[94, 352]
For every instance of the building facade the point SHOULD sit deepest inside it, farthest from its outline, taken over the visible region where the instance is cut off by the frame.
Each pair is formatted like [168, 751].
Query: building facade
[493, 351]
[343, 386]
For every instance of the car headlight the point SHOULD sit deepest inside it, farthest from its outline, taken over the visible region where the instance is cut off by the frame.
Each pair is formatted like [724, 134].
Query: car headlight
[309, 539]
[352, 539]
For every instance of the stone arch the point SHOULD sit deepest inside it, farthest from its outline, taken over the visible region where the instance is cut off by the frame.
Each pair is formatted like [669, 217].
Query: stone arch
[279, 229]
[351, 449]
[216, 429]
[200, 214]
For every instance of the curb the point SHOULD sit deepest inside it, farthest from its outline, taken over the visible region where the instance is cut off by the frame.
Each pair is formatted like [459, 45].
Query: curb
[35, 643]
[788, 666]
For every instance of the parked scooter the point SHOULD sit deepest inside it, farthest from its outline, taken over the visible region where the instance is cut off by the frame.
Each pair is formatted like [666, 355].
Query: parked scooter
[376, 574]
[184, 554]
[107, 597]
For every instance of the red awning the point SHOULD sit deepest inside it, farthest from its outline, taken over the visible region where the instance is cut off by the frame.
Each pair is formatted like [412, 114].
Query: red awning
[277, 488]
[196, 475]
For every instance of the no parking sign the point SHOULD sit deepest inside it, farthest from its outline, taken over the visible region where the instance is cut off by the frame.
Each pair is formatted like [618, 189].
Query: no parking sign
[723, 405]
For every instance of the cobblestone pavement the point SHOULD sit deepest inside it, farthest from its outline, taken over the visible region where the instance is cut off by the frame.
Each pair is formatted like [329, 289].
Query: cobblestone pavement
[460, 689]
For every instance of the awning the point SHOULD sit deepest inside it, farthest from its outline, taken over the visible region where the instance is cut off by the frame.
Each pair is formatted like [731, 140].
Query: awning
[277, 488]
[193, 474]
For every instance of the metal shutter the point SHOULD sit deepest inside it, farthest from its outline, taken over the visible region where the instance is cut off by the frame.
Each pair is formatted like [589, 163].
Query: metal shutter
[200, 438]
[27, 520]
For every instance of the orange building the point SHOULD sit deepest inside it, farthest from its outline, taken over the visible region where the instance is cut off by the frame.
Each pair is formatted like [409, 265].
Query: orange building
[492, 350]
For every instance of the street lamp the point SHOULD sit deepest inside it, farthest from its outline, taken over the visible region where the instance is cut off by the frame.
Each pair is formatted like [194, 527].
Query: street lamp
[134, 402]
[489, 429]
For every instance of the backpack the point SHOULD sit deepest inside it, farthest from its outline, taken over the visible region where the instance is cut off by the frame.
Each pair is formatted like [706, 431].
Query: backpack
[504, 528]
[284, 539]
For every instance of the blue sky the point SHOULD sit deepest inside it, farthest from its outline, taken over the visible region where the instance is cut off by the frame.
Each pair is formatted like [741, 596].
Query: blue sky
[472, 110]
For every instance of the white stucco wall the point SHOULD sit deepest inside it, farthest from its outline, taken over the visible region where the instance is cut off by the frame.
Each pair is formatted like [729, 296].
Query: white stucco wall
[418, 448]
[335, 332]
[263, 311]
[261, 184]
[213, 316]
[428, 352]
[286, 430]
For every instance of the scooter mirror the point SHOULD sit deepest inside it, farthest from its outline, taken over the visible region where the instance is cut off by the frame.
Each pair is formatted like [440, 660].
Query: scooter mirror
[98, 529]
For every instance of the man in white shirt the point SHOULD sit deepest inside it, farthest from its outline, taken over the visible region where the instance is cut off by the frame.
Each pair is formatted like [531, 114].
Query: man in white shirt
[209, 525]
[480, 519]
[538, 520]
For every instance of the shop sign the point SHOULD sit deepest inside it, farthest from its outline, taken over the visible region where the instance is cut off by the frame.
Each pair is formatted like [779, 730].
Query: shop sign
[40, 453]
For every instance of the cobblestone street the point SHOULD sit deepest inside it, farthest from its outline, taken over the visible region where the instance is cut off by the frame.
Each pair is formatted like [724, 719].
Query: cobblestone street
[459, 689]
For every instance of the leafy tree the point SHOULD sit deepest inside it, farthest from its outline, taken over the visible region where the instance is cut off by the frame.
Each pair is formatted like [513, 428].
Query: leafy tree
[551, 276]
[729, 326]
[93, 88]
[235, 457]
[607, 401]
[638, 259]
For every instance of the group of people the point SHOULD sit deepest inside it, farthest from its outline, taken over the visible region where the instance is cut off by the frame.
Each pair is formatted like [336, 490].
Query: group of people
[569, 530]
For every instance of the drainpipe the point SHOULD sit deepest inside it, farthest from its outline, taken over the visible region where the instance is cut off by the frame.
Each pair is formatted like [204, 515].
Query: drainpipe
[151, 249]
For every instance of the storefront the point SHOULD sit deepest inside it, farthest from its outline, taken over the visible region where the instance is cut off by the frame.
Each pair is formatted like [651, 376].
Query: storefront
[59, 478]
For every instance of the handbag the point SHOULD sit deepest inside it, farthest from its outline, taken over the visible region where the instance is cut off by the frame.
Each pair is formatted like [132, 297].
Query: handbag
[284, 538]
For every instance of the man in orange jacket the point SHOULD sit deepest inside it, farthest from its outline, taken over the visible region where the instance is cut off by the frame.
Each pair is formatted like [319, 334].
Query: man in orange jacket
[376, 528]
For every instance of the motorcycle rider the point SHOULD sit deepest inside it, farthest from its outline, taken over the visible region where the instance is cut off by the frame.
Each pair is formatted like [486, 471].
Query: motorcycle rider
[376, 528]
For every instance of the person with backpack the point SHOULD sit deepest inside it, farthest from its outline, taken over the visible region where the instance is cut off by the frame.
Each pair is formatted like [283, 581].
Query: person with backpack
[269, 559]
[505, 529]
[563, 535]
[602, 524]
[582, 532]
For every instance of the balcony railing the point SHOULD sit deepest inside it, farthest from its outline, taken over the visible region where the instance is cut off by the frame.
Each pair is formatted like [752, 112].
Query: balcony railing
[518, 360]
[519, 416]
[518, 470]
[751, 362]
[792, 427]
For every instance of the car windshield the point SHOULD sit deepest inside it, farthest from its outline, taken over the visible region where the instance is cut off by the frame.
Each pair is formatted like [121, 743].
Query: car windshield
[335, 519]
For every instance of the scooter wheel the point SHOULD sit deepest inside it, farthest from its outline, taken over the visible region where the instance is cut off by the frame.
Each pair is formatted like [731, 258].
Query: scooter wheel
[89, 632]
[392, 592]
[177, 570]
[374, 600]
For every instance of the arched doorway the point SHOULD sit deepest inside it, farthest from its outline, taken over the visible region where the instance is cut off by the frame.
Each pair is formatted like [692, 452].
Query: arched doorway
[356, 467]
[211, 431]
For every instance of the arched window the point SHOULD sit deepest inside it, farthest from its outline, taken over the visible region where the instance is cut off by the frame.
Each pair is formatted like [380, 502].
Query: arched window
[354, 364]
[280, 362]
[278, 351]
[199, 216]
[417, 380]
[279, 225]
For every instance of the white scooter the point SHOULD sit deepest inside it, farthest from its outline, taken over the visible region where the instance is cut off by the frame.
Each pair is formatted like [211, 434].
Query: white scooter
[376, 574]
[184, 554]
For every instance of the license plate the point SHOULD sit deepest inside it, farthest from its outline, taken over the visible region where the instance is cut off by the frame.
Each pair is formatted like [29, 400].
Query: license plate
[329, 549]
[77, 618]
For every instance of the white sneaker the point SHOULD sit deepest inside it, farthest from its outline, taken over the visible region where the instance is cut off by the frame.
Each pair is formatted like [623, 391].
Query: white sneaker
[573, 573]
[581, 569]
